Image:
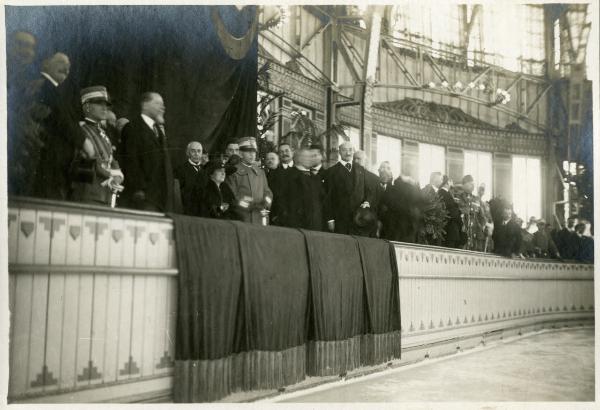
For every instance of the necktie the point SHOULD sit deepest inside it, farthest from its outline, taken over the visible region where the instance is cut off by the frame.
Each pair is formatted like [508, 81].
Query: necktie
[348, 167]
[313, 171]
[159, 133]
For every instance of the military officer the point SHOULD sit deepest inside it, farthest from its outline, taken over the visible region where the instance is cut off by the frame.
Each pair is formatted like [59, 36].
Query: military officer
[249, 185]
[96, 176]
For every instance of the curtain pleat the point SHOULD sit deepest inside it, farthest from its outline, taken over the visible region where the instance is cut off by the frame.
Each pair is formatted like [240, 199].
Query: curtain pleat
[261, 308]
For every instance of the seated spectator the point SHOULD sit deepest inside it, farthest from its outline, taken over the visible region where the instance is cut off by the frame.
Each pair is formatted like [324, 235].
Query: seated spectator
[215, 199]
[543, 244]
[97, 176]
[507, 236]
[191, 176]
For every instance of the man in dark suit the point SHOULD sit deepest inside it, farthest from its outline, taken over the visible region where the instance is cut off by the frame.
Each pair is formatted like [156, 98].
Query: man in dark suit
[507, 235]
[277, 180]
[346, 190]
[403, 203]
[453, 225]
[565, 239]
[146, 162]
[303, 194]
[61, 135]
[435, 180]
[583, 243]
[318, 153]
[191, 177]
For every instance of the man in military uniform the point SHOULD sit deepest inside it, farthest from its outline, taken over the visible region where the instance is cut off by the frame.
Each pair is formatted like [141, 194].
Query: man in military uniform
[97, 177]
[249, 185]
[473, 216]
[484, 236]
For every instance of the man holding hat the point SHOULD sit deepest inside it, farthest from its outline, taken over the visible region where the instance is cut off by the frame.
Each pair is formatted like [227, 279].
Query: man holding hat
[249, 185]
[97, 176]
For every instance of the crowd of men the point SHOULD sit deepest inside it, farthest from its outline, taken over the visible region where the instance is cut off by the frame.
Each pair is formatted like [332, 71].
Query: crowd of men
[99, 158]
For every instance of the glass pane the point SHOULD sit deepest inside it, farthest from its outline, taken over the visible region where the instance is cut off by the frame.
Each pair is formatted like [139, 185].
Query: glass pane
[527, 187]
[389, 149]
[479, 165]
[432, 158]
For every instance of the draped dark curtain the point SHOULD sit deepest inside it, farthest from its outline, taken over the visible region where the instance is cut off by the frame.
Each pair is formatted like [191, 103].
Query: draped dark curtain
[263, 307]
[173, 50]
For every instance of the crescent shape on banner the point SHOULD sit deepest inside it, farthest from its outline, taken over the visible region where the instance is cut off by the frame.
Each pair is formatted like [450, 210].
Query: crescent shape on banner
[236, 48]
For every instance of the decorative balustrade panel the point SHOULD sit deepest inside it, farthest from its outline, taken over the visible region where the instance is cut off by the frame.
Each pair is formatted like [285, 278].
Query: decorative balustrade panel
[93, 297]
[447, 293]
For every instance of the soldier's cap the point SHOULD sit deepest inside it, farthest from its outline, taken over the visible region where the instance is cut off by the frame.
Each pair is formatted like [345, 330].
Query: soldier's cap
[95, 94]
[466, 179]
[247, 144]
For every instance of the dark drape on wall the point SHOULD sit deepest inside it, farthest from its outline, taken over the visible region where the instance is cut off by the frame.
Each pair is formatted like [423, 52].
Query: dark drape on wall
[337, 315]
[382, 314]
[263, 307]
[173, 50]
[208, 320]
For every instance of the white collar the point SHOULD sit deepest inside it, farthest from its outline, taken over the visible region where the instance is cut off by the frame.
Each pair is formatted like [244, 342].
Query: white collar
[434, 188]
[49, 78]
[90, 120]
[289, 164]
[345, 162]
[149, 121]
[318, 167]
[301, 168]
[194, 164]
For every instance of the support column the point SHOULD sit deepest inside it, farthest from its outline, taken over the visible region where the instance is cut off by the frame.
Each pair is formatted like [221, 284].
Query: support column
[369, 71]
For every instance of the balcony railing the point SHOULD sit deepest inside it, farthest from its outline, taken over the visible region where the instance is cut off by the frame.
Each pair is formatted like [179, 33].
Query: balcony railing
[93, 301]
